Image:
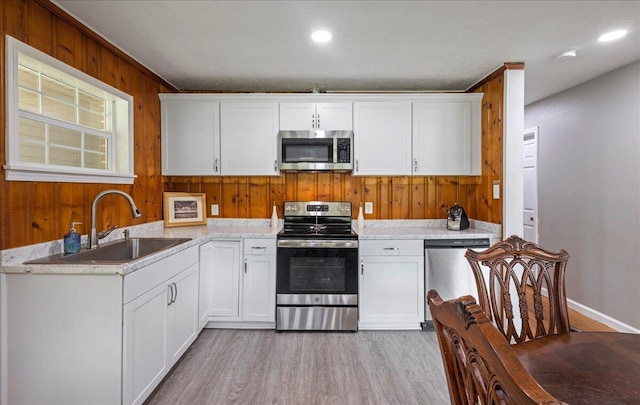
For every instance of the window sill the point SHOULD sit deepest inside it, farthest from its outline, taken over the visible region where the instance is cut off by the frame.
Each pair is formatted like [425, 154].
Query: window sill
[14, 173]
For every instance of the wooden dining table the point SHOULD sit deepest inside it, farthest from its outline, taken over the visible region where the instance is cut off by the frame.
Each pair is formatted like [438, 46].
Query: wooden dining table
[585, 367]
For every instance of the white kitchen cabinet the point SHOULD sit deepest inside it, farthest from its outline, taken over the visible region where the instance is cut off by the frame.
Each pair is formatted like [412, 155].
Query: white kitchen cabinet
[190, 136]
[95, 338]
[391, 284]
[382, 133]
[248, 138]
[243, 284]
[308, 116]
[205, 285]
[447, 135]
[259, 281]
[225, 281]
[160, 324]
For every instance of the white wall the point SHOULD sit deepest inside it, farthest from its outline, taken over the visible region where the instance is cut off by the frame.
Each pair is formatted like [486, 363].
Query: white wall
[589, 188]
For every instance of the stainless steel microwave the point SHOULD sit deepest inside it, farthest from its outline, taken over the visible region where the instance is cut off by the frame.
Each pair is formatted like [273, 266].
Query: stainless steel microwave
[315, 150]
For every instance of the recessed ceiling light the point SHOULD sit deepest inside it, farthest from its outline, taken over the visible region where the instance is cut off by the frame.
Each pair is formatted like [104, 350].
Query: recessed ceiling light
[321, 36]
[612, 35]
[566, 55]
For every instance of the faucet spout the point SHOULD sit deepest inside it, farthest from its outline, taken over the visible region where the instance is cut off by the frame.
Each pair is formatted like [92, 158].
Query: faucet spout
[93, 235]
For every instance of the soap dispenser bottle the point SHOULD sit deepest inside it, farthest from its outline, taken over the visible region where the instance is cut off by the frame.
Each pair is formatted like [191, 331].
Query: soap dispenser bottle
[71, 240]
[360, 220]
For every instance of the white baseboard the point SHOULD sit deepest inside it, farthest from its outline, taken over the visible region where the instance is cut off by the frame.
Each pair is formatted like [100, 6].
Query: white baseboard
[602, 318]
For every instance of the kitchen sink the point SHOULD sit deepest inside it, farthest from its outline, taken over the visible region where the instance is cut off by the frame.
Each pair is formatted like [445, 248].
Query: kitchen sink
[121, 251]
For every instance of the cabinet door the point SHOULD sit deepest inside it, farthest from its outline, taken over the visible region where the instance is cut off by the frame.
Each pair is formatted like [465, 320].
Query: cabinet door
[248, 138]
[334, 116]
[391, 294]
[225, 292]
[382, 136]
[183, 313]
[446, 137]
[309, 116]
[259, 281]
[145, 360]
[297, 116]
[205, 285]
[190, 137]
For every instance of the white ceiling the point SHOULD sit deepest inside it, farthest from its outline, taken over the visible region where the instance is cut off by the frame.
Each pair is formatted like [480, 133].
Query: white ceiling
[264, 46]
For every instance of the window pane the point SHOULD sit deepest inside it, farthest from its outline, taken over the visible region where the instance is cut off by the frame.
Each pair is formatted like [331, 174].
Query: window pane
[65, 137]
[64, 157]
[90, 102]
[56, 109]
[27, 78]
[95, 143]
[95, 161]
[58, 90]
[28, 100]
[92, 120]
[32, 130]
[32, 152]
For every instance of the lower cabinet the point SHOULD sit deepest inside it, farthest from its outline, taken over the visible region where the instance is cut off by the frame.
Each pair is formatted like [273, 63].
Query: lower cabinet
[160, 323]
[96, 338]
[243, 284]
[391, 284]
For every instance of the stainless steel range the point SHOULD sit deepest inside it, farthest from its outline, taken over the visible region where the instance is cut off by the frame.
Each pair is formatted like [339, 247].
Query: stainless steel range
[317, 268]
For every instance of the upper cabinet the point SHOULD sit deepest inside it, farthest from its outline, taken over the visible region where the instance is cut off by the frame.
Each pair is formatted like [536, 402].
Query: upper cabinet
[309, 116]
[190, 136]
[382, 137]
[248, 138]
[447, 135]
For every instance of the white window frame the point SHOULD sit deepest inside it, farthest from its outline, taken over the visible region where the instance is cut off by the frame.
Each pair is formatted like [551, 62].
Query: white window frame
[120, 167]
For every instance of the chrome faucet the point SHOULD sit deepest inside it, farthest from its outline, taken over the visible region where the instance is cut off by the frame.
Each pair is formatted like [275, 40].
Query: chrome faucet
[92, 242]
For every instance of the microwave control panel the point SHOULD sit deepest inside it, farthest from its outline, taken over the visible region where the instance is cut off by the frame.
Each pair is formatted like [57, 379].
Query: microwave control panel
[344, 150]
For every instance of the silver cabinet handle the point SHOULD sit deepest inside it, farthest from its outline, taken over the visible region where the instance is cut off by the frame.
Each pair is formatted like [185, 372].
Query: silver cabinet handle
[415, 165]
[391, 248]
[275, 165]
[215, 166]
[259, 247]
[170, 294]
[245, 266]
[313, 120]
[361, 267]
[318, 121]
[357, 165]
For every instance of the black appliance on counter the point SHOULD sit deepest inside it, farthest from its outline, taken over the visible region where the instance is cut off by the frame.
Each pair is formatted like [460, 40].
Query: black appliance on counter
[457, 218]
[317, 268]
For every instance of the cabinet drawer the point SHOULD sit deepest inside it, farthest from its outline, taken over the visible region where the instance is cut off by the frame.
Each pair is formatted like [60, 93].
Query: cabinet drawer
[146, 278]
[392, 247]
[259, 247]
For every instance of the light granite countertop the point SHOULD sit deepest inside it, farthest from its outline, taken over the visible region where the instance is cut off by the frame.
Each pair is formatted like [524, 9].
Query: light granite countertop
[12, 260]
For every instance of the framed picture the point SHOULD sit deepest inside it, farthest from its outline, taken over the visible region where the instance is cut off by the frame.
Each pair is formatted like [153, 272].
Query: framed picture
[183, 209]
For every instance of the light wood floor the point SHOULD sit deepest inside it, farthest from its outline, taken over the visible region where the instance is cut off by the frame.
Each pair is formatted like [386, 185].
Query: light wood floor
[265, 367]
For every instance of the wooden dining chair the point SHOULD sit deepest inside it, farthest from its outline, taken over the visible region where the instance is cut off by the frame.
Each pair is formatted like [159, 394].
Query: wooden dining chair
[517, 279]
[480, 365]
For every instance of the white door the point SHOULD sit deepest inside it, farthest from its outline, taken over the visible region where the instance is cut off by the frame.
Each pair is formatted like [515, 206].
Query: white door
[530, 212]
[225, 293]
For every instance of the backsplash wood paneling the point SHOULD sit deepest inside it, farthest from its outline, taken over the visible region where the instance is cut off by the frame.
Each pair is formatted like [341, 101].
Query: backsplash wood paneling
[32, 212]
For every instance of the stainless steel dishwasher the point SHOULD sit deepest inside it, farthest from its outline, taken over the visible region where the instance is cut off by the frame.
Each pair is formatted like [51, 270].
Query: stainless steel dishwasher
[447, 270]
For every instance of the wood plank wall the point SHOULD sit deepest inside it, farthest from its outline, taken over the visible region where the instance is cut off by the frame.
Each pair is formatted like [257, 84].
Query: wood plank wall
[32, 212]
[407, 197]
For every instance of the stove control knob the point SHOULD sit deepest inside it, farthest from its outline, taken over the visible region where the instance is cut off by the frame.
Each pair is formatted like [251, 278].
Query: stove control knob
[317, 299]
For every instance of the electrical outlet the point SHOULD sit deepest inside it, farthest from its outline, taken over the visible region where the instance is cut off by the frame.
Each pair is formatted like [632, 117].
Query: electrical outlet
[368, 207]
[496, 189]
[214, 209]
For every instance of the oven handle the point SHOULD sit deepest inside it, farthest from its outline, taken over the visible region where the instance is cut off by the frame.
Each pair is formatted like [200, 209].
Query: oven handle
[309, 243]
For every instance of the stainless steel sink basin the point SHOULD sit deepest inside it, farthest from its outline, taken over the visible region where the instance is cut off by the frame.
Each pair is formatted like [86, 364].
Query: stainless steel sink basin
[121, 251]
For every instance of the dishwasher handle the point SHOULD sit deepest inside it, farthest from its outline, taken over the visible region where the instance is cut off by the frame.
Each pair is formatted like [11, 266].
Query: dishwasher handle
[456, 243]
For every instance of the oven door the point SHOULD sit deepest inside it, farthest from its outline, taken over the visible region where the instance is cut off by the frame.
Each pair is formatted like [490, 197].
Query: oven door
[312, 271]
